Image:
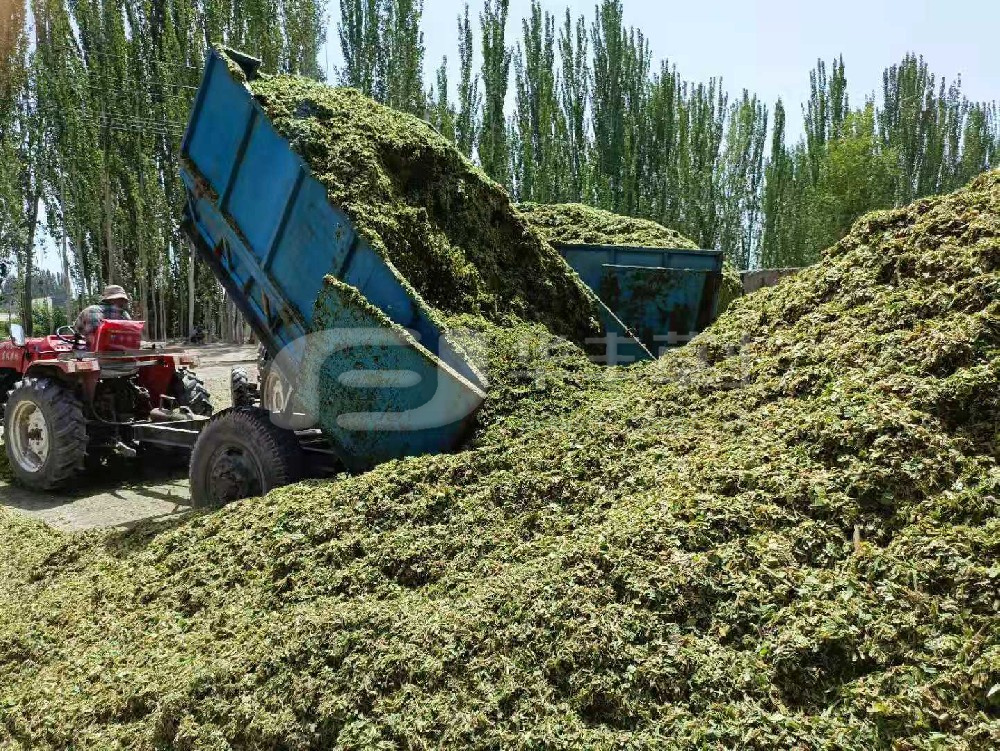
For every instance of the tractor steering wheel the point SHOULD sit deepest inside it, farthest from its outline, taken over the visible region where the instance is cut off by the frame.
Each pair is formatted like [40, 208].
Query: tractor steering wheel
[71, 338]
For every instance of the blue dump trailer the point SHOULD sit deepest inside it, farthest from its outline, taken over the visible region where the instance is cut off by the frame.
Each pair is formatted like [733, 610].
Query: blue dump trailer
[355, 371]
[381, 380]
[664, 297]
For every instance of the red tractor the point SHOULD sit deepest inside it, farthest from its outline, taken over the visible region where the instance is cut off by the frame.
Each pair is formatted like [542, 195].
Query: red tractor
[69, 404]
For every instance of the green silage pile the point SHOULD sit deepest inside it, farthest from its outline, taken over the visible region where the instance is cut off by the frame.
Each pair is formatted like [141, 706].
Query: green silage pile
[451, 232]
[578, 224]
[785, 535]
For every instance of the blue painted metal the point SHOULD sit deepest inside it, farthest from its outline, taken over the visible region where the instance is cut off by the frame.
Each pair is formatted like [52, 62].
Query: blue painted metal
[664, 296]
[263, 223]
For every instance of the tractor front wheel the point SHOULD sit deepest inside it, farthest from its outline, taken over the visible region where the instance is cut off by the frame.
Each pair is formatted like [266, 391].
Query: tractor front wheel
[243, 393]
[190, 392]
[242, 454]
[45, 433]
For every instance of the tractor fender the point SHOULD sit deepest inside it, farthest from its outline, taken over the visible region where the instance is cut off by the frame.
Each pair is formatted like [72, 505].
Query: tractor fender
[82, 373]
[60, 368]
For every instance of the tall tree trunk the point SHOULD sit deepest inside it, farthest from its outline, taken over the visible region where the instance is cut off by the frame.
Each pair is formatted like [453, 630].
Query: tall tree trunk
[163, 313]
[67, 285]
[191, 291]
[108, 234]
[29, 271]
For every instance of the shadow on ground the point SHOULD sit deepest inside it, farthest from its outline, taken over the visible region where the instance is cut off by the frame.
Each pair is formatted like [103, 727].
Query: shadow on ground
[122, 495]
[131, 493]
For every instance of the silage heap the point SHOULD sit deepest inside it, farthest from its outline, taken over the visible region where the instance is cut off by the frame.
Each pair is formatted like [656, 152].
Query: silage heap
[579, 224]
[783, 536]
[450, 231]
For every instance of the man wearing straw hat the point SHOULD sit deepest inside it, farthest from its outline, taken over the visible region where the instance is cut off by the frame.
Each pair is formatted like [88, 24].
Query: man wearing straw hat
[113, 307]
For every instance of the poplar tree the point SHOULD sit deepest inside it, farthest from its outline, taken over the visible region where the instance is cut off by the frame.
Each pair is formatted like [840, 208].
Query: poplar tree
[858, 177]
[24, 144]
[701, 126]
[467, 121]
[536, 161]
[493, 143]
[360, 30]
[741, 180]
[661, 201]
[980, 140]
[105, 105]
[383, 51]
[777, 198]
[824, 112]
[608, 105]
[404, 42]
[440, 112]
[637, 137]
[13, 78]
[574, 98]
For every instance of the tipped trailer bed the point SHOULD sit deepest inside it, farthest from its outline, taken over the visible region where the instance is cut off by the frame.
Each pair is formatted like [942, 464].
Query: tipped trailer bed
[353, 370]
[348, 349]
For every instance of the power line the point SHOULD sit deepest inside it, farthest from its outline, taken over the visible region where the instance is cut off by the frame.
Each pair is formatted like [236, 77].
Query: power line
[86, 107]
[92, 112]
[165, 84]
[123, 123]
[131, 59]
[138, 129]
[127, 94]
[139, 123]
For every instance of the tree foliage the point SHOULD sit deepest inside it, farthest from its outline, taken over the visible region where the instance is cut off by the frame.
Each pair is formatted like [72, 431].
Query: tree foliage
[94, 96]
[493, 150]
[383, 50]
[595, 121]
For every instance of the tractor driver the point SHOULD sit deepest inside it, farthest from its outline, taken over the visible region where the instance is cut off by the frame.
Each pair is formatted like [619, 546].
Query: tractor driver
[113, 307]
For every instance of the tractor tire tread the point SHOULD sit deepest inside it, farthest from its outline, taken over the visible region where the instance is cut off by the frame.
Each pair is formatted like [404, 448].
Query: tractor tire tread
[190, 392]
[240, 388]
[68, 430]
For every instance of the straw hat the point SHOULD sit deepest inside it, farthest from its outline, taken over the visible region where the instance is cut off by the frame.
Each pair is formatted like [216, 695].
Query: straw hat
[114, 292]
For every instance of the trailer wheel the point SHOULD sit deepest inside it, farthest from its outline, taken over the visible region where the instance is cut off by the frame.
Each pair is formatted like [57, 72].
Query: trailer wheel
[242, 454]
[190, 392]
[244, 393]
[45, 433]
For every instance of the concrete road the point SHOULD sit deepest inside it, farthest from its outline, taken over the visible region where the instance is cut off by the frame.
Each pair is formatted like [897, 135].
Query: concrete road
[130, 492]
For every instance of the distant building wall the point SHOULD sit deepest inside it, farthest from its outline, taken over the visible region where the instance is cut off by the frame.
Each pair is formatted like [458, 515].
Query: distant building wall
[754, 280]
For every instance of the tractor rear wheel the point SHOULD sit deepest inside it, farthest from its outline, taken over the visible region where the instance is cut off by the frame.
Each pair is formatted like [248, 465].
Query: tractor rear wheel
[45, 433]
[190, 392]
[242, 454]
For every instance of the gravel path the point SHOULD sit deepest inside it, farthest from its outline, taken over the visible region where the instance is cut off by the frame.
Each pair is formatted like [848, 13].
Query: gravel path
[130, 492]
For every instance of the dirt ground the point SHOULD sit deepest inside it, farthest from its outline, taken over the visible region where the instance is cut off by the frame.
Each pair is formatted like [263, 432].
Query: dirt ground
[131, 492]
